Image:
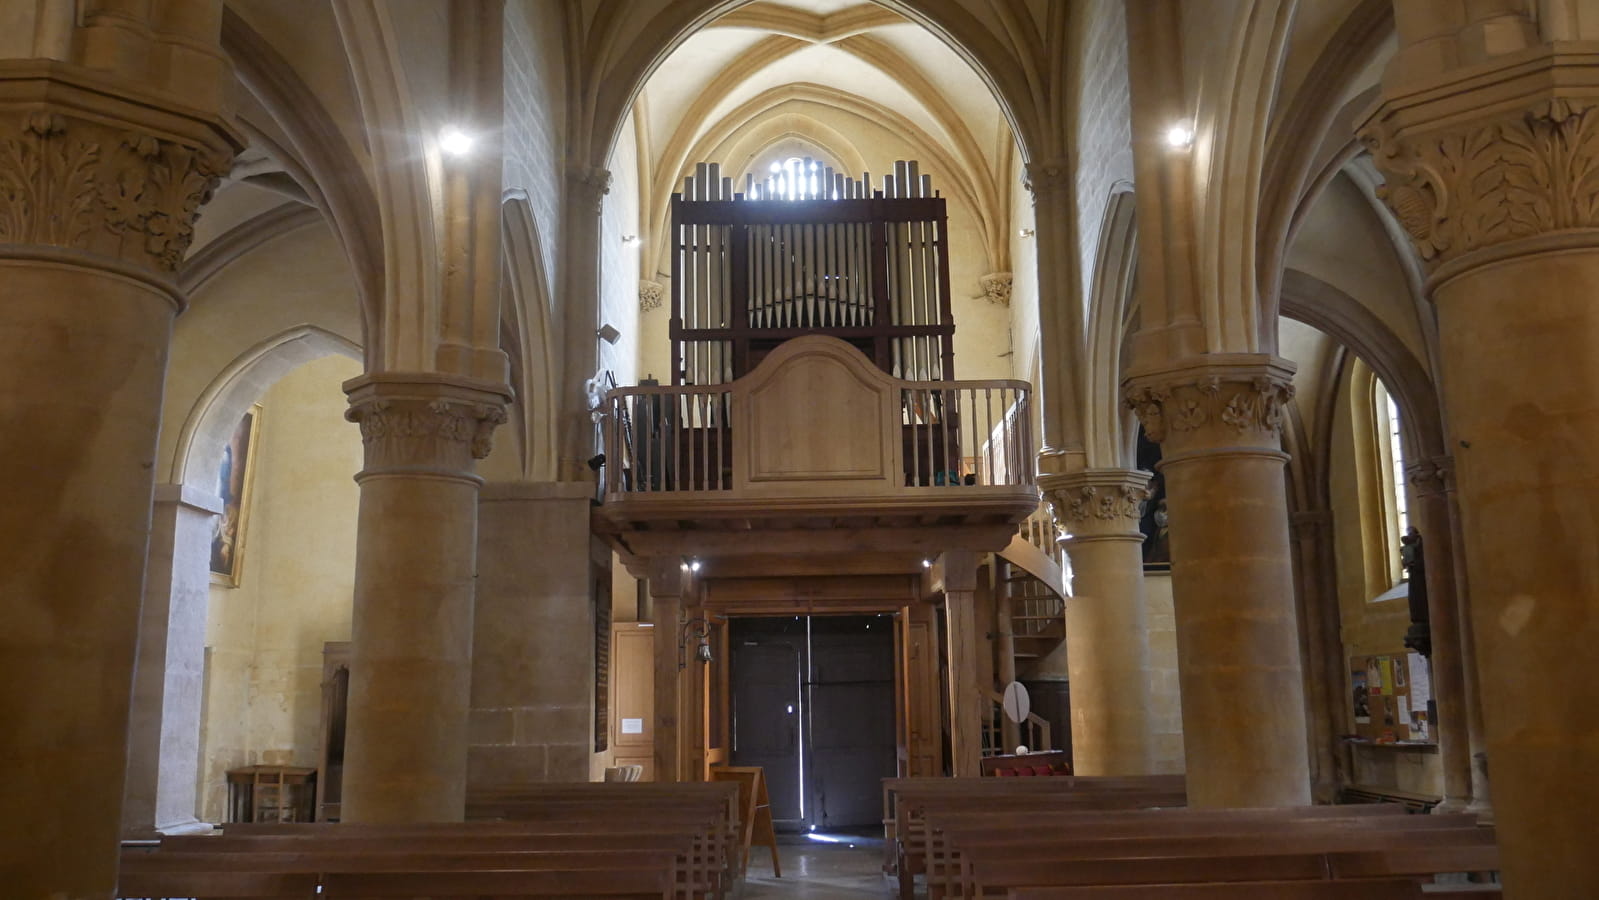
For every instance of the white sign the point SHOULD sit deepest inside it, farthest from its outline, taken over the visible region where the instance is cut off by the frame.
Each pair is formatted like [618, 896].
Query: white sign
[1017, 704]
[632, 726]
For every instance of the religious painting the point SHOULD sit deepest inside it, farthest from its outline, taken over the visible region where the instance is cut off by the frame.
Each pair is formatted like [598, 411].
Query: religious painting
[1157, 543]
[233, 487]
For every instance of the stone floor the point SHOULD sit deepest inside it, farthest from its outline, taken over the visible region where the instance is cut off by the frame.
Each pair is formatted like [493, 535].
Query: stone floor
[820, 866]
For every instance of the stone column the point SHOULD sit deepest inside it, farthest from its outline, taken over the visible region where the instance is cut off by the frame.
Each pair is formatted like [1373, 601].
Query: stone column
[579, 274]
[1322, 651]
[98, 195]
[533, 636]
[1514, 258]
[169, 675]
[415, 564]
[1107, 641]
[1219, 420]
[1476, 733]
[1431, 514]
[1060, 320]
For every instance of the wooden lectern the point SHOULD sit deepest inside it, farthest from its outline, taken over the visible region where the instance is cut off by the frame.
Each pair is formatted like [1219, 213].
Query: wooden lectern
[755, 810]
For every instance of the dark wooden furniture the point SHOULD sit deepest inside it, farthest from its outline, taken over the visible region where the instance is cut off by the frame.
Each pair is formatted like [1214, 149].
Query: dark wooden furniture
[271, 794]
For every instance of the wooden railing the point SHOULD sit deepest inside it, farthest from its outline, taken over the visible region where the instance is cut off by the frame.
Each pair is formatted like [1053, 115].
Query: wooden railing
[664, 438]
[1034, 732]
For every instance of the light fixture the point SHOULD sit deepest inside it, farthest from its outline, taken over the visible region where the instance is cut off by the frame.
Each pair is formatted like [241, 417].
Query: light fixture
[699, 630]
[1025, 233]
[1180, 136]
[455, 142]
[693, 565]
[927, 564]
[608, 334]
[629, 239]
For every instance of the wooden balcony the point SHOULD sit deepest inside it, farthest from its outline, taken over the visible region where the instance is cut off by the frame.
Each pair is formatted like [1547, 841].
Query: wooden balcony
[821, 445]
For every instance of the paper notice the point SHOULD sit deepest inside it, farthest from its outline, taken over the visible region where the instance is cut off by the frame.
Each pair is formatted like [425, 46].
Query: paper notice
[632, 726]
[1420, 681]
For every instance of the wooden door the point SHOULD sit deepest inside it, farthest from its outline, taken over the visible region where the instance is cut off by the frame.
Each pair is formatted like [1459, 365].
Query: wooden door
[850, 714]
[766, 719]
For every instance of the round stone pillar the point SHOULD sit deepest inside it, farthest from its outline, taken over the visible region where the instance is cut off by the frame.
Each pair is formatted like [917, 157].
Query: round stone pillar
[1432, 515]
[1492, 179]
[1106, 634]
[415, 562]
[1219, 421]
[97, 200]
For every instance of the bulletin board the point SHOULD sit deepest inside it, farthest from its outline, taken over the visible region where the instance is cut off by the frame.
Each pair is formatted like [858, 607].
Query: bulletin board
[1389, 694]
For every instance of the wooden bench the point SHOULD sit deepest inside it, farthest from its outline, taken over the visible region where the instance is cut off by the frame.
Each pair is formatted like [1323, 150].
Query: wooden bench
[602, 840]
[1393, 889]
[1064, 837]
[1272, 854]
[905, 799]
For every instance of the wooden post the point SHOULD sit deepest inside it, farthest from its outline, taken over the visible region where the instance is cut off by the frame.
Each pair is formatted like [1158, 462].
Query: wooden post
[959, 578]
[1005, 645]
[667, 581]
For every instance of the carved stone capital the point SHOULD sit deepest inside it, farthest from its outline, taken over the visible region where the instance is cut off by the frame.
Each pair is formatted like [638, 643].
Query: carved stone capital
[650, 295]
[589, 184]
[1432, 477]
[996, 287]
[1049, 178]
[83, 171]
[1221, 401]
[1097, 503]
[1508, 155]
[425, 424]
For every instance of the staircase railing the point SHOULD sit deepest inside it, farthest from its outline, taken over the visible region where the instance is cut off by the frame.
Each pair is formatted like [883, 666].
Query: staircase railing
[1034, 731]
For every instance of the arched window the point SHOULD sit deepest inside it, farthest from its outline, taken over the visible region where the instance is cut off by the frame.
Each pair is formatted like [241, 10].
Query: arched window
[1396, 506]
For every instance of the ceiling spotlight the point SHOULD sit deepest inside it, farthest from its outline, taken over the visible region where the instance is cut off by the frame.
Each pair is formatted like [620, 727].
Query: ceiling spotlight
[927, 564]
[1180, 136]
[693, 565]
[455, 142]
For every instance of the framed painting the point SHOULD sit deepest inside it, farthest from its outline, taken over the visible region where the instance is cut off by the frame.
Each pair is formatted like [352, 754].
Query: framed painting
[233, 487]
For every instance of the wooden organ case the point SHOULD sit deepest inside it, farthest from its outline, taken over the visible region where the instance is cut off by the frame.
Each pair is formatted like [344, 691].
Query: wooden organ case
[810, 251]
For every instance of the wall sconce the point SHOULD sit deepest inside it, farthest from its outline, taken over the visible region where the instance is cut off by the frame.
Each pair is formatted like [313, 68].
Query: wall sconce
[695, 629]
[608, 334]
[629, 240]
[1180, 136]
[1025, 233]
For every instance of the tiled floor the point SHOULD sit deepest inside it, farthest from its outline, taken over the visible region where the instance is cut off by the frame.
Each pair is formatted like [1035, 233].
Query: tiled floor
[833, 866]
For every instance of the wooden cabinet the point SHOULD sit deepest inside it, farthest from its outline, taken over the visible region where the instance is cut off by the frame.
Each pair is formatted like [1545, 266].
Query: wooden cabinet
[271, 794]
[633, 696]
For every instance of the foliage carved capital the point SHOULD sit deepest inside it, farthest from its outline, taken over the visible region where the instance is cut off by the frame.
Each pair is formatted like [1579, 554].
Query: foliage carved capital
[1049, 178]
[1430, 477]
[996, 287]
[425, 424]
[1225, 403]
[109, 188]
[651, 294]
[589, 185]
[1098, 502]
[1476, 166]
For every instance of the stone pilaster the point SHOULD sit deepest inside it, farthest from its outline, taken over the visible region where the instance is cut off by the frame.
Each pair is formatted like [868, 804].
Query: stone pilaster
[1059, 322]
[1322, 651]
[100, 183]
[586, 187]
[1219, 420]
[416, 561]
[1491, 169]
[1107, 640]
[1431, 514]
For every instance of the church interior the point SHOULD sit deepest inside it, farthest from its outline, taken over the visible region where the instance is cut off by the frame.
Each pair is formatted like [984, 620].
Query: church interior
[810, 414]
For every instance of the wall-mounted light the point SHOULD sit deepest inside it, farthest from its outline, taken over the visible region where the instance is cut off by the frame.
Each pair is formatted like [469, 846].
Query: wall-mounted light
[455, 142]
[698, 630]
[1180, 136]
[1025, 233]
[629, 240]
[927, 564]
[609, 334]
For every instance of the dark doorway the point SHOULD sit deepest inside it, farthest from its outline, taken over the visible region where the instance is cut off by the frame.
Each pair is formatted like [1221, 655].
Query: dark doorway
[813, 704]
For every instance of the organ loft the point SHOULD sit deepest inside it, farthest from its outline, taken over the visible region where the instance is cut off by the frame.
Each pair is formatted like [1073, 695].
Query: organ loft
[463, 448]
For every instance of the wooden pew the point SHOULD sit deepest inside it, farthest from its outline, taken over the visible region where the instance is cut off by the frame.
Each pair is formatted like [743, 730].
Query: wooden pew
[617, 884]
[993, 878]
[906, 798]
[1067, 838]
[218, 886]
[1393, 889]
